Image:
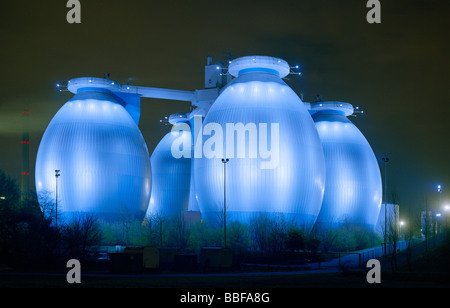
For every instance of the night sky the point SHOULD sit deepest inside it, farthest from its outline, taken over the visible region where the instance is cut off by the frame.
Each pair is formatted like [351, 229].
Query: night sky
[396, 71]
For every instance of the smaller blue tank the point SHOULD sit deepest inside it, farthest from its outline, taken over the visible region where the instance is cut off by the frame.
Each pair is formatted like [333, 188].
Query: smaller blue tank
[171, 176]
[353, 187]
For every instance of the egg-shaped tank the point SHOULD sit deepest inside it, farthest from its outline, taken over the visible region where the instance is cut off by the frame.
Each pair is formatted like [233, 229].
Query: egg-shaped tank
[275, 158]
[101, 155]
[171, 175]
[353, 188]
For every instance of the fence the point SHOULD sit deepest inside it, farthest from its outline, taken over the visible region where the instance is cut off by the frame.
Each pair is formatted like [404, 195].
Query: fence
[359, 258]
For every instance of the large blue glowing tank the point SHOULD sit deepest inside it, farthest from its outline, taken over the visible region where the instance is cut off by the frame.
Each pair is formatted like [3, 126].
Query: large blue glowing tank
[171, 176]
[290, 182]
[353, 187]
[102, 157]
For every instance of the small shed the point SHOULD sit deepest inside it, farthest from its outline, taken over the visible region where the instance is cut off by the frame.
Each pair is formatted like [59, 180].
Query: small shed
[185, 263]
[216, 258]
[134, 260]
[128, 261]
[167, 257]
[150, 258]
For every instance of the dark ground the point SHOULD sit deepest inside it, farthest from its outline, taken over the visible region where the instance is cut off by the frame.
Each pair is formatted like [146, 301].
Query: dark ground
[428, 269]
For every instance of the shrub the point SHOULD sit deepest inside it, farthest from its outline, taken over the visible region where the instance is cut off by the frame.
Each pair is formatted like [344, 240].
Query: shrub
[295, 239]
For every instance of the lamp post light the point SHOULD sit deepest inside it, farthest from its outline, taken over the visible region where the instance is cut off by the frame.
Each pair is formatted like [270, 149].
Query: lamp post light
[440, 195]
[438, 222]
[385, 160]
[401, 225]
[225, 161]
[57, 175]
[437, 218]
[447, 212]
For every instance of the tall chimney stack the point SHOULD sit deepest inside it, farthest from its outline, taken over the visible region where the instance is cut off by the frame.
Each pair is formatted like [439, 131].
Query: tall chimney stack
[25, 175]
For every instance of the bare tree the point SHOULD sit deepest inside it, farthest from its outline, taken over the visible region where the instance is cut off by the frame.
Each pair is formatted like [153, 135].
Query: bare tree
[158, 224]
[278, 233]
[126, 220]
[426, 222]
[239, 237]
[413, 224]
[328, 235]
[260, 229]
[181, 232]
[48, 206]
[151, 227]
[82, 233]
[270, 233]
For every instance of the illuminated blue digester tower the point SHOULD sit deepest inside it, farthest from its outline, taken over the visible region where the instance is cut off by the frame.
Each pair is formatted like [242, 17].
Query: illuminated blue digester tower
[171, 176]
[291, 180]
[353, 188]
[96, 144]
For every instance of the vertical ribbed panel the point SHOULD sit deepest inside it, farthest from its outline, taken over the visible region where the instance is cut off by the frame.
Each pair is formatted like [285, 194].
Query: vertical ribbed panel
[295, 186]
[102, 157]
[353, 183]
[171, 178]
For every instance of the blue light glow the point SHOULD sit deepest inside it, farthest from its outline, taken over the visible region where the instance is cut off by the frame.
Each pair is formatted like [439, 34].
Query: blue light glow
[104, 161]
[353, 186]
[295, 187]
[170, 178]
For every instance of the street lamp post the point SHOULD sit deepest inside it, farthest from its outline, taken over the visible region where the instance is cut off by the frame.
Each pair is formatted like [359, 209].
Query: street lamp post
[57, 174]
[385, 160]
[401, 225]
[438, 222]
[447, 212]
[439, 189]
[225, 161]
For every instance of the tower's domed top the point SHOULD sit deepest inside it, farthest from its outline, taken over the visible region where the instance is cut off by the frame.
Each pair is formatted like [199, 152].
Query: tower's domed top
[259, 63]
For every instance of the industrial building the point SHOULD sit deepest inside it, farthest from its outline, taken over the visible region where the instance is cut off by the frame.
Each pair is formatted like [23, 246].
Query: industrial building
[250, 146]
